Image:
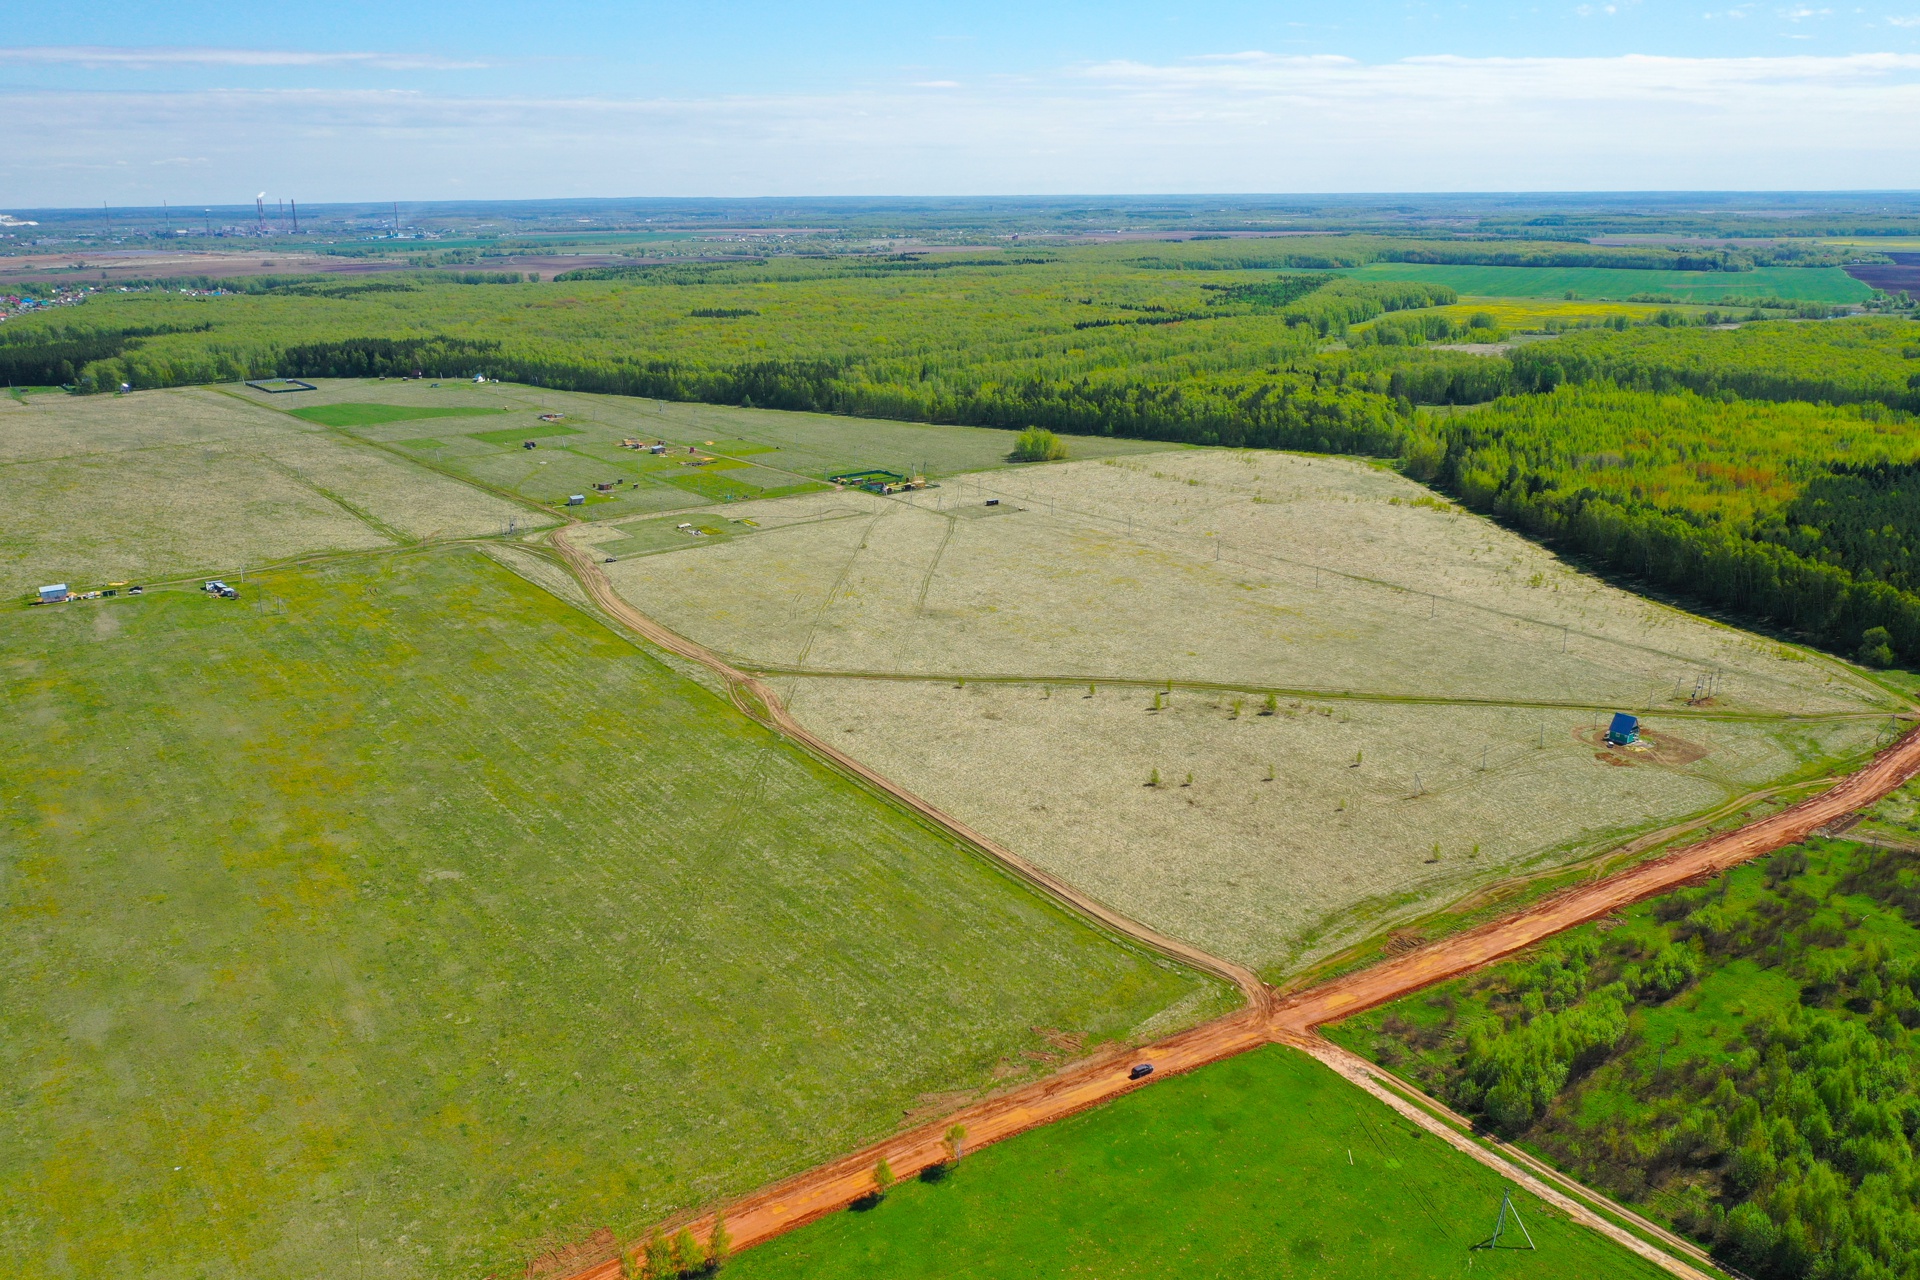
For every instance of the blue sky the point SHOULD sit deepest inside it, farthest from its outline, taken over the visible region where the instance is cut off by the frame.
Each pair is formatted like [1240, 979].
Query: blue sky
[130, 102]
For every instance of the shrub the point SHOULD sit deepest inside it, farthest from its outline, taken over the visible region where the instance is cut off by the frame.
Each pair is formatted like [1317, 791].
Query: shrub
[1037, 444]
[1876, 648]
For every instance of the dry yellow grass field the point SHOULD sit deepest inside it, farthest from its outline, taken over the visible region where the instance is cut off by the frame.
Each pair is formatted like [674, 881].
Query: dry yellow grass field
[1247, 568]
[1282, 848]
[951, 644]
[168, 483]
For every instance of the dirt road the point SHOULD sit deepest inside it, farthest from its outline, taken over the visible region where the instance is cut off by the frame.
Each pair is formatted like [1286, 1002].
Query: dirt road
[1296, 1016]
[833, 1186]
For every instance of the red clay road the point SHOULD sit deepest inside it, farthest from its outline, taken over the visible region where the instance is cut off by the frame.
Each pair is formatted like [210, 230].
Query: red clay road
[829, 1187]
[1299, 1014]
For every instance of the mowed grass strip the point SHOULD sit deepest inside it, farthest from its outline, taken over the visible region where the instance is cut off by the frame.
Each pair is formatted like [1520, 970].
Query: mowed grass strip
[368, 415]
[1264, 1165]
[398, 915]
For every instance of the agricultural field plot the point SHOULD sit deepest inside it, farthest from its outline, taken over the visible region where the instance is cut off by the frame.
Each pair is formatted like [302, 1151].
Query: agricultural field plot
[168, 483]
[1244, 567]
[1793, 284]
[1264, 1165]
[748, 453]
[1276, 839]
[400, 916]
[1737, 1058]
[970, 652]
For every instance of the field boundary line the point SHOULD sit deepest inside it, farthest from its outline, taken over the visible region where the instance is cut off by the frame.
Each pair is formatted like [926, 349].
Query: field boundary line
[811, 1195]
[778, 718]
[341, 433]
[1294, 1023]
[1286, 691]
[367, 518]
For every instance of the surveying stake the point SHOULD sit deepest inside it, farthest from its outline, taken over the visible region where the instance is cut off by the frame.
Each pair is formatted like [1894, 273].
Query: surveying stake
[1500, 1228]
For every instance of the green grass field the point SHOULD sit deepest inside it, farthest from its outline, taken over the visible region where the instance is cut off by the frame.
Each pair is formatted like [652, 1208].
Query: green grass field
[398, 915]
[1264, 1165]
[366, 415]
[790, 452]
[1794, 284]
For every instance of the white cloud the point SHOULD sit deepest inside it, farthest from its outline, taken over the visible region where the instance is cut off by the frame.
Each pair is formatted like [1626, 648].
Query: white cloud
[1910, 20]
[1243, 122]
[161, 56]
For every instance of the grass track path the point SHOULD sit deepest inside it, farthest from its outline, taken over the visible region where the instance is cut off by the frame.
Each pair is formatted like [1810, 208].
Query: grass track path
[830, 1187]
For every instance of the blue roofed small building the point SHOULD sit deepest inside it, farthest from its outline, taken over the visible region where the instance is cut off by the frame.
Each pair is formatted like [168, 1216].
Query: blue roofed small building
[1625, 729]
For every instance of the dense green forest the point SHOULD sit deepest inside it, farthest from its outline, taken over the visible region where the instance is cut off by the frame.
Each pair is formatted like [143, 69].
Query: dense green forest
[1733, 502]
[1848, 363]
[1741, 1059]
[1767, 470]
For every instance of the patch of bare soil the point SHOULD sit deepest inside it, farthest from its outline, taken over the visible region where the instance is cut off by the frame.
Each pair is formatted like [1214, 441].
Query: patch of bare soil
[1064, 1041]
[1652, 748]
[579, 1249]
[931, 1106]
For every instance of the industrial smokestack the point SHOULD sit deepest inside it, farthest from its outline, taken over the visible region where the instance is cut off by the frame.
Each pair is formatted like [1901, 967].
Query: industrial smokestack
[260, 212]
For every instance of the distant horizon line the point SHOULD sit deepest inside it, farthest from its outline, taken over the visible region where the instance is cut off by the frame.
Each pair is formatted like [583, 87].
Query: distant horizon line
[1609, 195]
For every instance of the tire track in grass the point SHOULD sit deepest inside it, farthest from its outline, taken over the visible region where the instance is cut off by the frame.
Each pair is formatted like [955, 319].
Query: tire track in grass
[926, 580]
[826, 602]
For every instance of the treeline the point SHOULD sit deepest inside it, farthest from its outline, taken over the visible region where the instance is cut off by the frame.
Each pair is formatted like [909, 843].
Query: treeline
[1283, 410]
[1692, 495]
[1320, 253]
[1638, 258]
[1417, 330]
[54, 354]
[1329, 305]
[1840, 362]
[324, 285]
[1680, 491]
